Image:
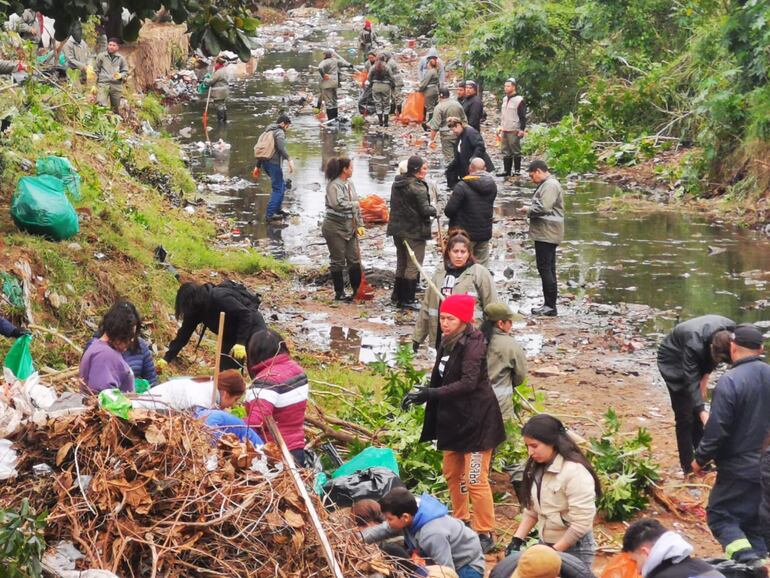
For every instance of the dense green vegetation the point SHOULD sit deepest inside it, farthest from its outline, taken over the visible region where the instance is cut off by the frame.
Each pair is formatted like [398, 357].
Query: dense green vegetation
[635, 75]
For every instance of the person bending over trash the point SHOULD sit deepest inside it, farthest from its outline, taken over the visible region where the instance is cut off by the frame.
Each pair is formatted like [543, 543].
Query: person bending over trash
[196, 304]
[102, 365]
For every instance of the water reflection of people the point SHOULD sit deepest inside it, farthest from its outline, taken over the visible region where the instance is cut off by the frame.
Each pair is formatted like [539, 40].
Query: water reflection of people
[379, 147]
[344, 339]
[329, 142]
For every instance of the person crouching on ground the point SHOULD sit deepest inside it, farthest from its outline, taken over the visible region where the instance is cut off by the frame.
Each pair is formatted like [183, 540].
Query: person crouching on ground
[429, 531]
[462, 415]
[459, 274]
[102, 365]
[560, 489]
[410, 222]
[342, 226]
[279, 388]
[659, 553]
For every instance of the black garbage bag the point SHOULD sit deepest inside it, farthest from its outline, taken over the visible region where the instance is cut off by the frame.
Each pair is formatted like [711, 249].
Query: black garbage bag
[733, 569]
[372, 483]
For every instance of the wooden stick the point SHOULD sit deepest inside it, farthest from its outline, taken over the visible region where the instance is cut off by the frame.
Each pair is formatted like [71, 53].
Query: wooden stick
[422, 271]
[217, 362]
[55, 333]
[287, 457]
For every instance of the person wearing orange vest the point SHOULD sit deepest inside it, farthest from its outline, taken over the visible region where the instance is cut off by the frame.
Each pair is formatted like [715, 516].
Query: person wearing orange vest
[513, 123]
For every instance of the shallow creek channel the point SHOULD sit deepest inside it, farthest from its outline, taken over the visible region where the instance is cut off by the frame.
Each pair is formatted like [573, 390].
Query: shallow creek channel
[677, 265]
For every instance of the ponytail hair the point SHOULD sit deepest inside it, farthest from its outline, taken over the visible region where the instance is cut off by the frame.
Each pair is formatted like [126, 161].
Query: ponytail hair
[550, 431]
[335, 166]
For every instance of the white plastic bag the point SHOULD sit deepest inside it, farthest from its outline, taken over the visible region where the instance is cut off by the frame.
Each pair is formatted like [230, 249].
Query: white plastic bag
[8, 460]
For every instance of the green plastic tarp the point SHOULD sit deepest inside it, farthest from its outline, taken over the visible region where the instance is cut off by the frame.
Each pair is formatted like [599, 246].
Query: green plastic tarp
[61, 168]
[40, 206]
[371, 457]
[19, 358]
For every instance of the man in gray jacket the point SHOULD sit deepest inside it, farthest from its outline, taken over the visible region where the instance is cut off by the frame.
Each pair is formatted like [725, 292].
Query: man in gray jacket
[274, 168]
[76, 50]
[111, 72]
[329, 69]
[506, 361]
[546, 229]
[430, 531]
[447, 108]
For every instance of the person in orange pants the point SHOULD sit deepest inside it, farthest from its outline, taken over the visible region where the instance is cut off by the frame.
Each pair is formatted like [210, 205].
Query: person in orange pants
[462, 414]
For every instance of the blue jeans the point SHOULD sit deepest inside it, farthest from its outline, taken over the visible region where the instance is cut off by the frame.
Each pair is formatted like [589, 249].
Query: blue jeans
[469, 572]
[278, 187]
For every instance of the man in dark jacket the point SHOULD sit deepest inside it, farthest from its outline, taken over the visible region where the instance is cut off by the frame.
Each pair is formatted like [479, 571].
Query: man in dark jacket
[196, 304]
[471, 207]
[686, 358]
[470, 145]
[659, 553]
[473, 106]
[733, 438]
[8, 329]
[410, 221]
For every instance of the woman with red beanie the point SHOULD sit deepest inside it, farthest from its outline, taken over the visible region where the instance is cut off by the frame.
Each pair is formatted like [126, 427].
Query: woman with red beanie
[279, 389]
[462, 415]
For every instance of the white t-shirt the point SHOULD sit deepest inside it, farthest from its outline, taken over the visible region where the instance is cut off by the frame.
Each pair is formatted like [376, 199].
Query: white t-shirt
[181, 394]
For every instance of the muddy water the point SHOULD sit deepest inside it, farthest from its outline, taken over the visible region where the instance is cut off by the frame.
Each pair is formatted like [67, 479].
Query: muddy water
[678, 264]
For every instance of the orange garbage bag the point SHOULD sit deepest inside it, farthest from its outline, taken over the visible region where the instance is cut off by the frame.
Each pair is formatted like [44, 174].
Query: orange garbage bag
[374, 209]
[413, 109]
[361, 76]
[621, 566]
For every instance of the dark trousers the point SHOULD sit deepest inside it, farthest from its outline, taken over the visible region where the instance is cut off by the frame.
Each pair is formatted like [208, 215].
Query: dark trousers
[689, 428]
[405, 268]
[299, 457]
[764, 507]
[545, 255]
[733, 518]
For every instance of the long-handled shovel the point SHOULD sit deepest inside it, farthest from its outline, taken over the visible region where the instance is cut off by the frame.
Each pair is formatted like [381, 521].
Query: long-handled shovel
[206, 117]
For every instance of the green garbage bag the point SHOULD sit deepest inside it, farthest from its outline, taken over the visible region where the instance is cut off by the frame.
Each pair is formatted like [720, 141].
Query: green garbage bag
[141, 385]
[41, 207]
[61, 168]
[371, 457]
[115, 402]
[19, 358]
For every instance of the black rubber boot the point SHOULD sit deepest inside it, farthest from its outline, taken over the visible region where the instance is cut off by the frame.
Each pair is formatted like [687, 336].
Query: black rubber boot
[331, 114]
[517, 166]
[387, 119]
[354, 273]
[221, 115]
[339, 286]
[507, 164]
[381, 121]
[395, 296]
[408, 300]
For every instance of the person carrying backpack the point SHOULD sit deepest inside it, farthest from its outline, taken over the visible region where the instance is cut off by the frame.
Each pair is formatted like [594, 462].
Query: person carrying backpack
[196, 304]
[269, 154]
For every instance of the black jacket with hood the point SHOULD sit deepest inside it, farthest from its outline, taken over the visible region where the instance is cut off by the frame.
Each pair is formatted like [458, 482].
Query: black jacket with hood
[471, 206]
[410, 209]
[474, 110]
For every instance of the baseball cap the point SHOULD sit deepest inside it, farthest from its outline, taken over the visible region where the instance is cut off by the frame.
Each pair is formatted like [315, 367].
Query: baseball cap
[500, 312]
[471, 83]
[538, 562]
[748, 336]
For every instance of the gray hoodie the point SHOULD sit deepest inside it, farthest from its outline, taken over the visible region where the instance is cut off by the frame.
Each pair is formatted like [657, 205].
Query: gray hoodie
[281, 153]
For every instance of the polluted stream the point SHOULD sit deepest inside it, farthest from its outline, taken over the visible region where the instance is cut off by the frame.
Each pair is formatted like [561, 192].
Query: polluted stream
[675, 264]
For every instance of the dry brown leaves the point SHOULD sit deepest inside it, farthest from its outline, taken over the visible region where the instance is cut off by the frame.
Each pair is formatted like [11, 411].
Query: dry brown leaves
[152, 508]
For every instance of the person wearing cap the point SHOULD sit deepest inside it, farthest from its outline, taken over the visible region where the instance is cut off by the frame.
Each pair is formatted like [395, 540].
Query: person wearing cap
[429, 85]
[538, 562]
[423, 67]
[367, 38]
[410, 222]
[459, 273]
[660, 553]
[470, 145]
[111, 71]
[274, 168]
[462, 415]
[382, 83]
[472, 105]
[428, 532]
[559, 491]
[571, 567]
[734, 436]
[546, 229]
[329, 69]
[446, 108]
[471, 208]
[513, 123]
[398, 84]
[686, 357]
[506, 361]
[217, 83]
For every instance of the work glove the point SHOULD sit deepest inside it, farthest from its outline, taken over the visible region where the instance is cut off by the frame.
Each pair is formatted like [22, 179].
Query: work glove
[255, 173]
[361, 231]
[514, 546]
[161, 365]
[417, 397]
[19, 332]
[415, 347]
[239, 352]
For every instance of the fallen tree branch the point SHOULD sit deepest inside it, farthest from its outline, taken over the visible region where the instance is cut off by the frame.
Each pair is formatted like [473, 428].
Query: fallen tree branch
[55, 333]
[339, 435]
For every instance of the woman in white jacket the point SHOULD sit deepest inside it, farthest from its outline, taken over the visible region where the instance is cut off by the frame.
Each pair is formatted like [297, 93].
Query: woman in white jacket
[559, 491]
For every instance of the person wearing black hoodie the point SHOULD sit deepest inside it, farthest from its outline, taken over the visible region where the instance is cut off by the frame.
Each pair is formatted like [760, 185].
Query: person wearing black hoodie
[471, 207]
[470, 145]
[410, 219]
[473, 105]
[196, 304]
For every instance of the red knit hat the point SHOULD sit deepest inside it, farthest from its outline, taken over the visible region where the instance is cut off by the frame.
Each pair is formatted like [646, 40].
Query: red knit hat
[461, 306]
[367, 24]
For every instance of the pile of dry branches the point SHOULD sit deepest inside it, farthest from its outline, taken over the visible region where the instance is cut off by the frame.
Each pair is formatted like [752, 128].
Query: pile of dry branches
[156, 496]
